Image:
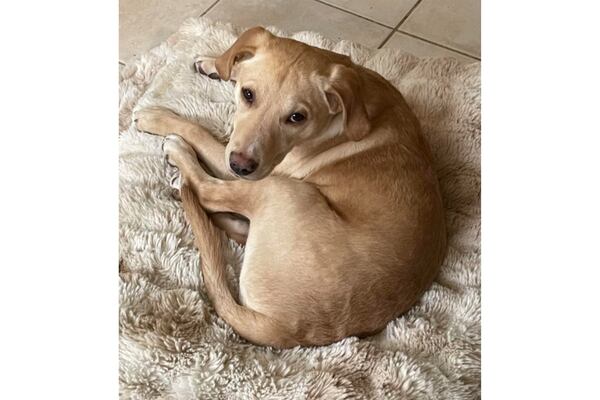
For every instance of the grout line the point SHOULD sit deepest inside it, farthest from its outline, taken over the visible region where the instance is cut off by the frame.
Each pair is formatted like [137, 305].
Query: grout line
[209, 8]
[408, 14]
[395, 29]
[353, 13]
[385, 40]
[439, 45]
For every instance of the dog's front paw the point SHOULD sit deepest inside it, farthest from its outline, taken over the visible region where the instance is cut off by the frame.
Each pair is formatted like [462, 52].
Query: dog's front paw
[173, 176]
[206, 66]
[156, 120]
[177, 151]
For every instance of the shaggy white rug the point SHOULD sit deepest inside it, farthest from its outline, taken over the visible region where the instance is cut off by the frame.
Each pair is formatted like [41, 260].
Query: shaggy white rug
[173, 345]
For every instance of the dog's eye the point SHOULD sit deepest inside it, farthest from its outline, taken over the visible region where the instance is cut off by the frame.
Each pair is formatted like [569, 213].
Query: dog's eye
[248, 95]
[296, 117]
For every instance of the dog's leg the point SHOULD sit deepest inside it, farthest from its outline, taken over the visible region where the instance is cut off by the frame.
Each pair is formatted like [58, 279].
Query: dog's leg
[215, 195]
[162, 121]
[268, 199]
[180, 155]
[236, 227]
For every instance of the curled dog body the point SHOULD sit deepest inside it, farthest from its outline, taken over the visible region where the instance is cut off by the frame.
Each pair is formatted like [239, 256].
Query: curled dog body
[327, 163]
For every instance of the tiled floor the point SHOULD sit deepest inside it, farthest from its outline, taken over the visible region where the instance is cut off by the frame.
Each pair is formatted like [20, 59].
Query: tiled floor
[422, 27]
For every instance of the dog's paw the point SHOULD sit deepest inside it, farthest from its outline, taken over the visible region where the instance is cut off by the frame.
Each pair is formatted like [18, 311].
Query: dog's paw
[156, 120]
[173, 177]
[172, 147]
[206, 66]
[177, 151]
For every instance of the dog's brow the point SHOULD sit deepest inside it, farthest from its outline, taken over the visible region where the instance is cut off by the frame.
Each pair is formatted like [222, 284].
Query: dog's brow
[288, 69]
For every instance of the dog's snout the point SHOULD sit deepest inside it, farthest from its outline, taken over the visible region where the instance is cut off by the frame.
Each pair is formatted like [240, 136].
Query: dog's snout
[242, 164]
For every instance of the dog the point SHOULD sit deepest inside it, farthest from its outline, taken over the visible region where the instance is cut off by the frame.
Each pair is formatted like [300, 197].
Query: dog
[328, 164]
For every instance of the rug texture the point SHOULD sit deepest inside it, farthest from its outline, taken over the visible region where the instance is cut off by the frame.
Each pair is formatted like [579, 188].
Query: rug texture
[174, 346]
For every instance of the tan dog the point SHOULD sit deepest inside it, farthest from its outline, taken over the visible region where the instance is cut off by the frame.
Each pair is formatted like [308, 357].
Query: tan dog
[346, 220]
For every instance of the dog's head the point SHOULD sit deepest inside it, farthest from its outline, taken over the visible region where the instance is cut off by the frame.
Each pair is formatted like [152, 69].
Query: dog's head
[287, 93]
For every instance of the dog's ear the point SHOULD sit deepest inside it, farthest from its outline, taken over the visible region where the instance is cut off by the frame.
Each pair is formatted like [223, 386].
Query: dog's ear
[244, 48]
[343, 93]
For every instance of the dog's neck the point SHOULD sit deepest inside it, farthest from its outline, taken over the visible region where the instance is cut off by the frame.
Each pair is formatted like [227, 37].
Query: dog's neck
[301, 154]
[318, 153]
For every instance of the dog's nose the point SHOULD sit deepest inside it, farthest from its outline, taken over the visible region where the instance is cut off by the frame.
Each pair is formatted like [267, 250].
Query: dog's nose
[241, 164]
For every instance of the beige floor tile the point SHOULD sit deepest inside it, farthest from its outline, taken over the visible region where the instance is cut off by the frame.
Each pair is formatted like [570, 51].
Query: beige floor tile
[454, 23]
[388, 12]
[299, 15]
[143, 24]
[421, 48]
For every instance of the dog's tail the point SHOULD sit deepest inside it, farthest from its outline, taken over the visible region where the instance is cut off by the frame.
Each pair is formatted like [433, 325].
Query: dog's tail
[251, 325]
